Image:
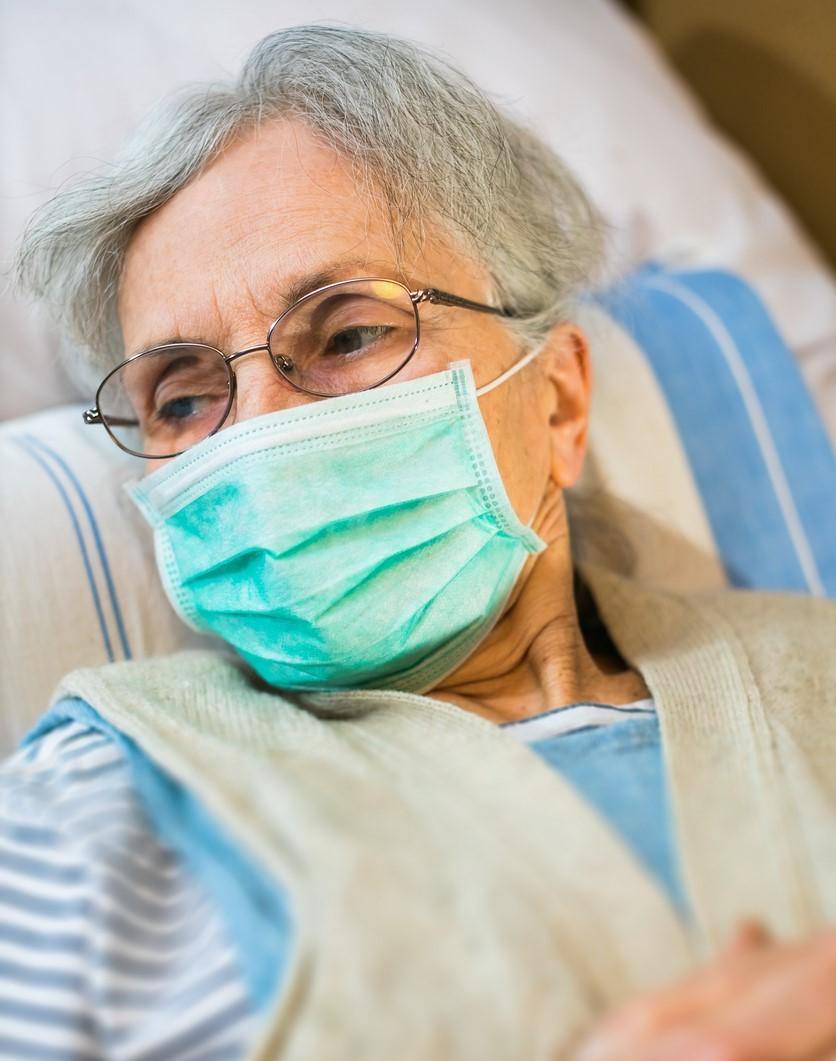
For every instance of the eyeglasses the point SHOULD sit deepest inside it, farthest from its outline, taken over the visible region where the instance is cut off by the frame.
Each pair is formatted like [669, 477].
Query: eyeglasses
[349, 336]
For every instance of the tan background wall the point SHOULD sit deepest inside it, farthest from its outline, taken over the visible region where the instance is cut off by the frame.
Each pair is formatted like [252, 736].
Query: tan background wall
[766, 71]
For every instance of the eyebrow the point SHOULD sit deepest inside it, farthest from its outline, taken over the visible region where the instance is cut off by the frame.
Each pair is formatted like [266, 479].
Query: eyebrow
[292, 289]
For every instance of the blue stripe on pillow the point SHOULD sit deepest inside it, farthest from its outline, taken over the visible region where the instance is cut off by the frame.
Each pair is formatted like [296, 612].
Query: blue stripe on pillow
[55, 468]
[85, 556]
[97, 537]
[759, 453]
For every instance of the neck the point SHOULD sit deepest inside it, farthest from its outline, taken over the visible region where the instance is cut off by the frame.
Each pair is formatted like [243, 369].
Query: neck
[537, 657]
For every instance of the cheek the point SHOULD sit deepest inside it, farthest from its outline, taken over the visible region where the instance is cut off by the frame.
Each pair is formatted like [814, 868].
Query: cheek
[152, 466]
[521, 447]
[426, 361]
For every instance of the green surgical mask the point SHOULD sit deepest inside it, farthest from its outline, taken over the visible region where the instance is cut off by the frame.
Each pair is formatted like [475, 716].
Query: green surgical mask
[363, 541]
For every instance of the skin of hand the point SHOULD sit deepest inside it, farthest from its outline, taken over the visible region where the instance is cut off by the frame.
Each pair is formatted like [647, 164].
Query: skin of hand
[278, 206]
[758, 1000]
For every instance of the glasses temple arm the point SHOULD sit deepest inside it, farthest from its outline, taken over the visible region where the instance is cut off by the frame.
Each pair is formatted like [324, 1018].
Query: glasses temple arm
[93, 416]
[444, 298]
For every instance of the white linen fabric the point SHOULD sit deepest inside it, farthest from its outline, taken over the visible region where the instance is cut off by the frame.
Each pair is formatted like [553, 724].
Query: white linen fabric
[75, 79]
[574, 717]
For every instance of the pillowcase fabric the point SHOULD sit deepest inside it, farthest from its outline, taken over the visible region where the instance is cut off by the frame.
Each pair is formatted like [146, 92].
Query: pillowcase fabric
[762, 463]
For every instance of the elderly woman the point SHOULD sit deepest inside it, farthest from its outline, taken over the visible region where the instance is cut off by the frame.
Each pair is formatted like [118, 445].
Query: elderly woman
[455, 795]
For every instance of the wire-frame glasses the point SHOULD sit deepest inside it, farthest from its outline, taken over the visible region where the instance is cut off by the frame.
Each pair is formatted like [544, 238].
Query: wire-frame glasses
[347, 336]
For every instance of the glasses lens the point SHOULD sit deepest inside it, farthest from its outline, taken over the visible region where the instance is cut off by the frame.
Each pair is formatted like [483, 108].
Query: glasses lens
[348, 337]
[165, 400]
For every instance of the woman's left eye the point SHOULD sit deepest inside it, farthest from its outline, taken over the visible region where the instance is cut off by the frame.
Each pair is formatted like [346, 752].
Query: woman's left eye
[353, 340]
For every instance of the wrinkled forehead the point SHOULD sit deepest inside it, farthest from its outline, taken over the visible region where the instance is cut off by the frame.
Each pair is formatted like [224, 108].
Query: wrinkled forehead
[279, 212]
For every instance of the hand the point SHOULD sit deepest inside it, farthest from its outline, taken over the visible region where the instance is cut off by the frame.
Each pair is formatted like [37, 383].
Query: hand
[758, 1000]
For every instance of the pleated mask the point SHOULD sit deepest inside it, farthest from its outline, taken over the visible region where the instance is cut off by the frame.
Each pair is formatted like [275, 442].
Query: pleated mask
[362, 541]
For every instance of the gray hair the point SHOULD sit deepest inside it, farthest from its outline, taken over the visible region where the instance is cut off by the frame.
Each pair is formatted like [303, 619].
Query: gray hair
[415, 130]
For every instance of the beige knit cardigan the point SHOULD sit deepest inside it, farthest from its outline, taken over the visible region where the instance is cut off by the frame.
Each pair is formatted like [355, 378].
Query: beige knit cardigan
[455, 898]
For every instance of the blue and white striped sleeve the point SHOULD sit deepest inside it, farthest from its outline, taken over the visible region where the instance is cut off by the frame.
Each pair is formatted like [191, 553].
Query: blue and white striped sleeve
[109, 948]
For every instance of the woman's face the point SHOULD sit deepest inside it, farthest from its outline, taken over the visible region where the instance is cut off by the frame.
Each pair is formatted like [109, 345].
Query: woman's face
[279, 209]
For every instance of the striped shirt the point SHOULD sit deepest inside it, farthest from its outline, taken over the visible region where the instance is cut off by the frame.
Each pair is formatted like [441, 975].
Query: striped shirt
[109, 947]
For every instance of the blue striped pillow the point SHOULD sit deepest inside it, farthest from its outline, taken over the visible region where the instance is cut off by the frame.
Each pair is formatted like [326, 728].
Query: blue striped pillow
[757, 449]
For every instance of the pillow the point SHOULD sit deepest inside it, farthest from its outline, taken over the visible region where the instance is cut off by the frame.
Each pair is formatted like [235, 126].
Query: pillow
[749, 500]
[585, 75]
[76, 561]
[701, 420]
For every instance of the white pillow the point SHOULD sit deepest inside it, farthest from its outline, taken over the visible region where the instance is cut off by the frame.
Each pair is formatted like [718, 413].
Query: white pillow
[77, 568]
[81, 75]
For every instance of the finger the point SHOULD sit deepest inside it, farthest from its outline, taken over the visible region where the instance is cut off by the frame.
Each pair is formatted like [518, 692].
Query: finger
[787, 1010]
[626, 1033]
[748, 934]
[759, 996]
[706, 987]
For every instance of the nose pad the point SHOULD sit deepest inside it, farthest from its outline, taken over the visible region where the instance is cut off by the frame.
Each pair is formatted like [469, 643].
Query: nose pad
[284, 364]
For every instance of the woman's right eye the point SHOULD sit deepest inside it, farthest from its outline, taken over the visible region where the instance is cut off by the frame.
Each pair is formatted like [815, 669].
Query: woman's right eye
[180, 408]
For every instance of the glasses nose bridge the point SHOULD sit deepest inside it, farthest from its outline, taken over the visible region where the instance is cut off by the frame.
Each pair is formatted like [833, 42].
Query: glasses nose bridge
[274, 361]
[229, 358]
[278, 363]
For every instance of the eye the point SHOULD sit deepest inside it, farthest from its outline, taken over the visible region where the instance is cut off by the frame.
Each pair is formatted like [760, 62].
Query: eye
[187, 391]
[180, 408]
[354, 340]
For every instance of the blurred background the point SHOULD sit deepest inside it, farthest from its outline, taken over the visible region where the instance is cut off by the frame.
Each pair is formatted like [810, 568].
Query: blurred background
[766, 72]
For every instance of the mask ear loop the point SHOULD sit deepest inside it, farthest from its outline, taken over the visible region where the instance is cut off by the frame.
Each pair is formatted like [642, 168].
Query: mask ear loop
[509, 372]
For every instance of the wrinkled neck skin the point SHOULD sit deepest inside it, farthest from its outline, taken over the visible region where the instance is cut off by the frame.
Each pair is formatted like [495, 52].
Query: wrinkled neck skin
[535, 658]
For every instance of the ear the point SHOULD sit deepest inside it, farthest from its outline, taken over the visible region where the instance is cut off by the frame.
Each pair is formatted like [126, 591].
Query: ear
[567, 363]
